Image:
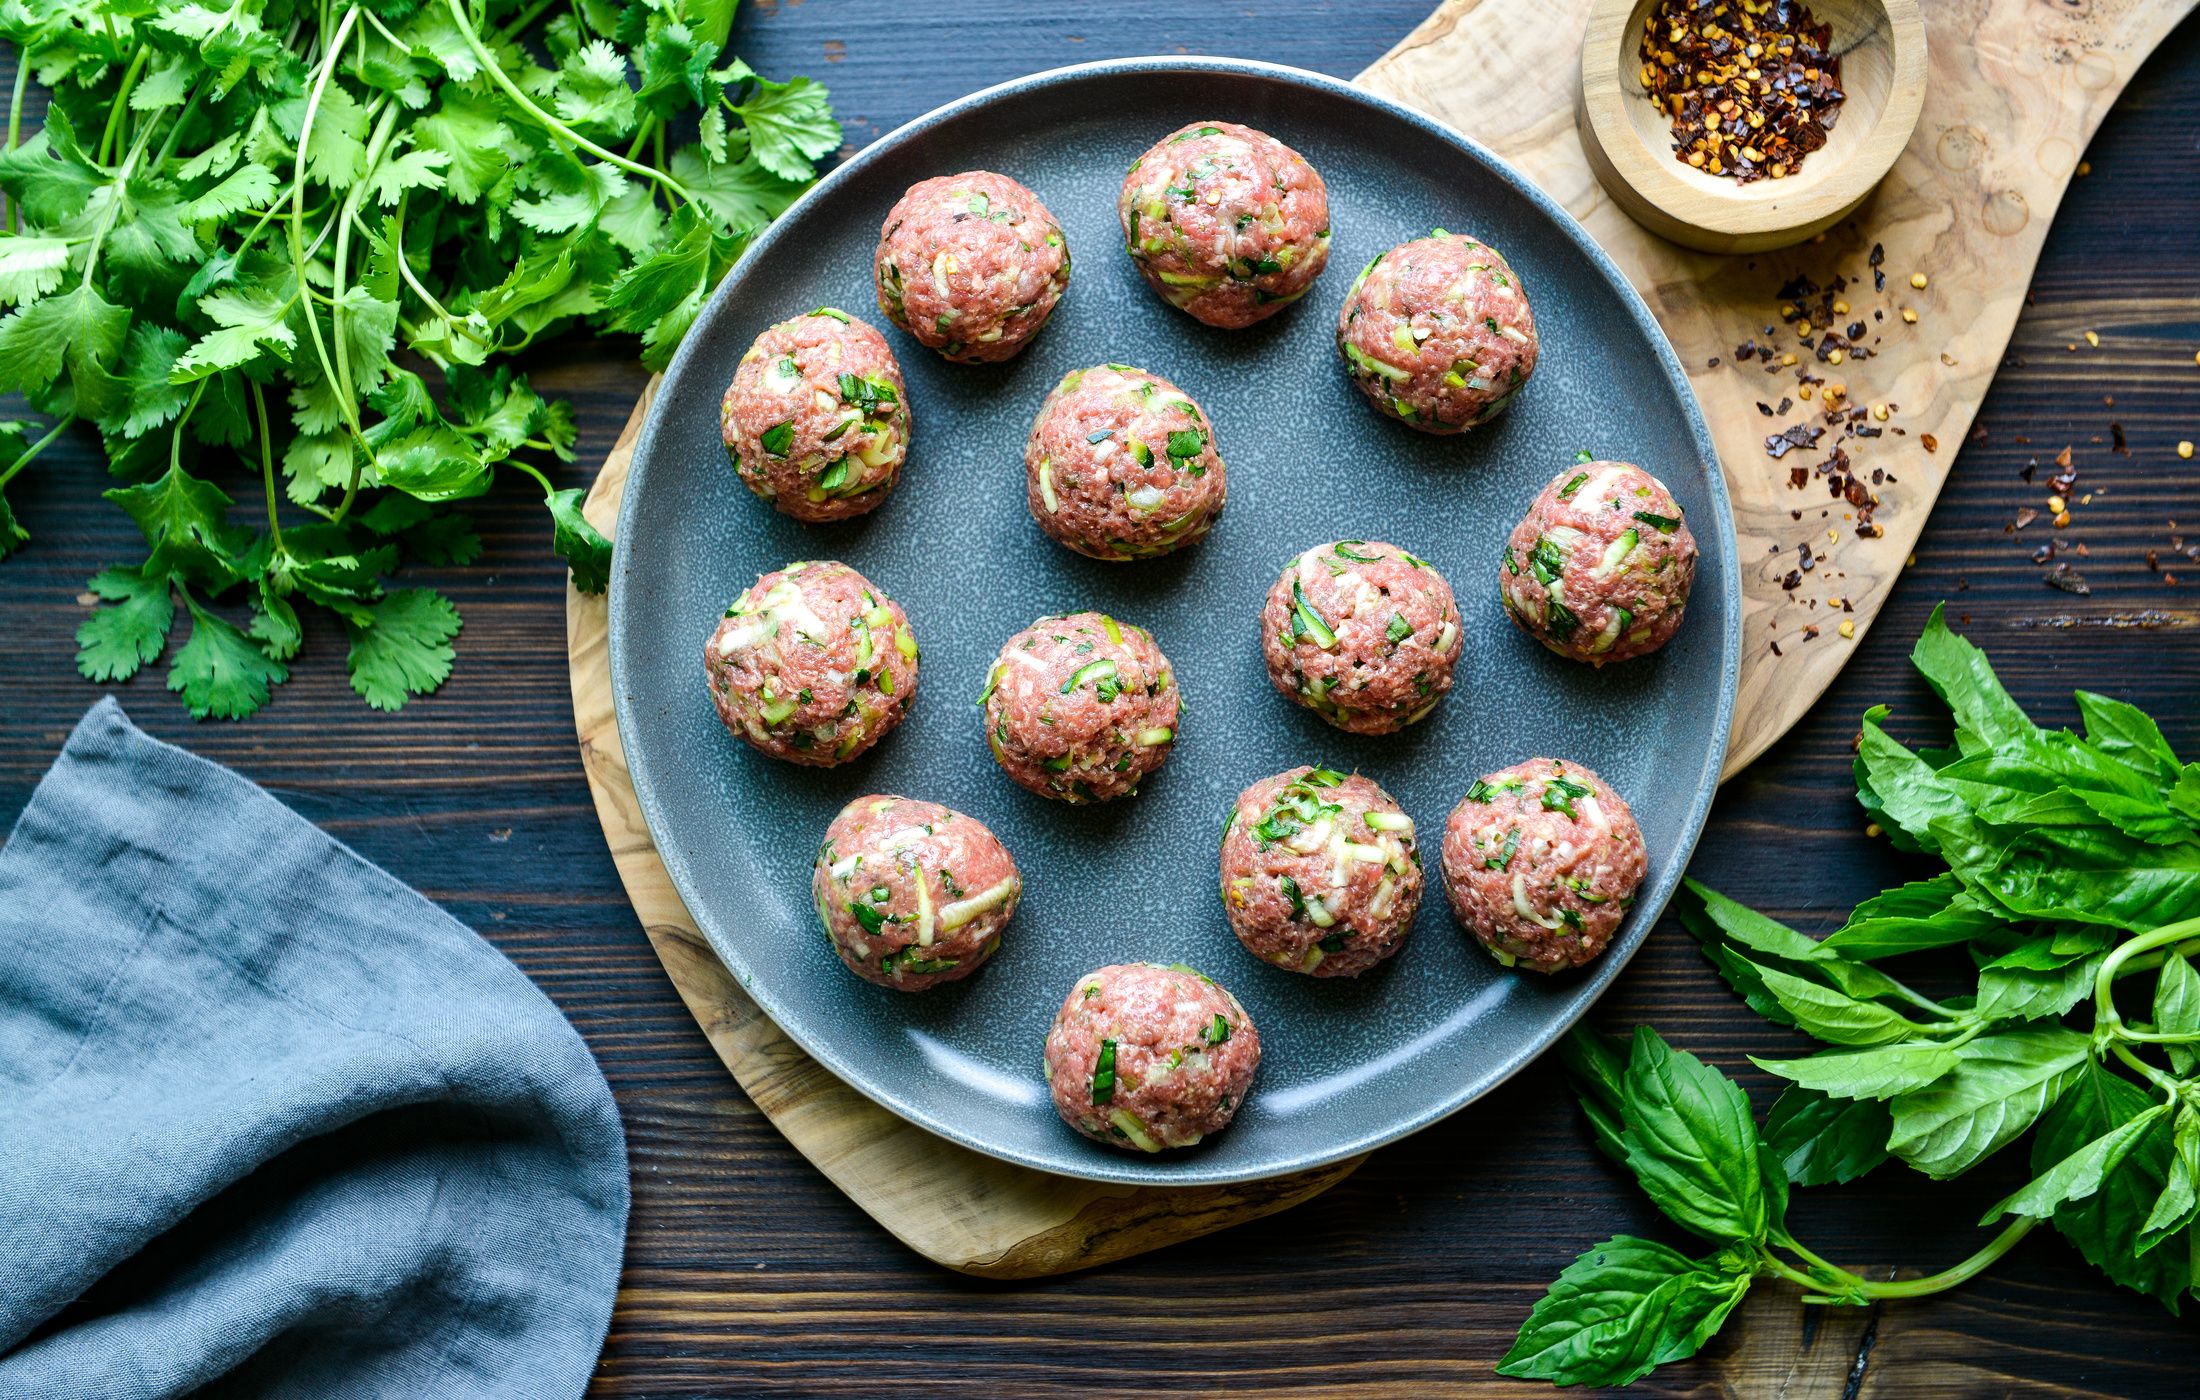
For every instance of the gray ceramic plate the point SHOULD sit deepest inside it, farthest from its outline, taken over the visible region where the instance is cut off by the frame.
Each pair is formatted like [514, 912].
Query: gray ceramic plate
[1347, 1065]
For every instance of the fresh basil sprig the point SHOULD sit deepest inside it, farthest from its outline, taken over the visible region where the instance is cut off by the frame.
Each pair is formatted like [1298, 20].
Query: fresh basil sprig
[2073, 870]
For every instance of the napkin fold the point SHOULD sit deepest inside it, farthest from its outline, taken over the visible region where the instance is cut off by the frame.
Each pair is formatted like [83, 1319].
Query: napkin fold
[272, 1124]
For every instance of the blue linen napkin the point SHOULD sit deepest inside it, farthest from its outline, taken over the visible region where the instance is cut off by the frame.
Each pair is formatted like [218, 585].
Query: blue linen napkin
[271, 1124]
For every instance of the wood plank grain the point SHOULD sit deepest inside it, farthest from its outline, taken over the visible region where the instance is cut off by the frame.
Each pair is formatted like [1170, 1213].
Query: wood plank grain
[750, 1274]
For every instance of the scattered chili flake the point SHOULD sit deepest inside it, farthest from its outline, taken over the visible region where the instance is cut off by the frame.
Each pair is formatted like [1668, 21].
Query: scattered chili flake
[1750, 88]
[1932, 444]
[1794, 436]
[2067, 579]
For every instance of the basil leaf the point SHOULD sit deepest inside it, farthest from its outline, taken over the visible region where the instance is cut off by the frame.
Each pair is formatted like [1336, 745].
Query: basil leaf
[2085, 875]
[2128, 734]
[2017, 993]
[2000, 1085]
[1599, 1071]
[1910, 918]
[1823, 1141]
[1879, 1073]
[2177, 1008]
[1832, 1015]
[1963, 678]
[1620, 1309]
[2179, 1202]
[1691, 1142]
[1743, 924]
[1900, 789]
[2078, 1175]
[2105, 1226]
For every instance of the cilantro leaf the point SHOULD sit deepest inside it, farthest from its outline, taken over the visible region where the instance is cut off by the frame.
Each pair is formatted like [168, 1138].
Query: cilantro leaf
[12, 535]
[790, 125]
[185, 521]
[30, 267]
[115, 641]
[220, 672]
[78, 330]
[581, 545]
[246, 187]
[404, 648]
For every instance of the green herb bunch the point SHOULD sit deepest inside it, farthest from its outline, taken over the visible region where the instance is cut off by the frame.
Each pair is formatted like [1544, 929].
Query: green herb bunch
[2073, 887]
[278, 239]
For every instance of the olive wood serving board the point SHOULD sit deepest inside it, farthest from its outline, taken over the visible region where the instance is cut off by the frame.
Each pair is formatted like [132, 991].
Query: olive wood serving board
[2016, 90]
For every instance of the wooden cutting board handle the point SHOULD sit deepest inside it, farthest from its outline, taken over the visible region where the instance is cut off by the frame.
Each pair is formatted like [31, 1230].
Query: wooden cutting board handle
[2017, 89]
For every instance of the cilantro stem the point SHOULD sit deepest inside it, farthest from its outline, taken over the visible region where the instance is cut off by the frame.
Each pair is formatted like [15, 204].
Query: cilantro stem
[350, 410]
[526, 17]
[33, 450]
[15, 123]
[543, 481]
[114, 206]
[111, 136]
[549, 123]
[411, 279]
[267, 462]
[183, 119]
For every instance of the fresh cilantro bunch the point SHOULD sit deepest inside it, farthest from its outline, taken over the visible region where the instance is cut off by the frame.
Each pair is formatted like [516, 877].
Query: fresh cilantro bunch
[2073, 893]
[303, 243]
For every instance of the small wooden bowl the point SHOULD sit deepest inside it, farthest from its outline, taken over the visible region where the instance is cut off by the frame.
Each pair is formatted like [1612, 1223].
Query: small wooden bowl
[1629, 139]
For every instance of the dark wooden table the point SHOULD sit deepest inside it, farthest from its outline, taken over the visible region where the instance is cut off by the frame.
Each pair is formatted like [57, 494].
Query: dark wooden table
[747, 1273]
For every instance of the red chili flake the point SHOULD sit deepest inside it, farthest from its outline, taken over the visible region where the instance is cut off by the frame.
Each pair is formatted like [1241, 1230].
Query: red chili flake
[1798, 477]
[1796, 435]
[2062, 458]
[1932, 444]
[1810, 634]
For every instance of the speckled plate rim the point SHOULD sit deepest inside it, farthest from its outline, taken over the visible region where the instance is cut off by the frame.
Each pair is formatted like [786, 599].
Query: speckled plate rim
[1120, 1167]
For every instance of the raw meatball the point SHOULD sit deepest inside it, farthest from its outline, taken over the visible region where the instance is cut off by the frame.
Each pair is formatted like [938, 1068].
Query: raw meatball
[1122, 465]
[813, 664]
[1146, 1057]
[912, 894]
[971, 265]
[1541, 861]
[1437, 333]
[1227, 223]
[816, 419]
[1600, 569]
[1080, 707]
[1319, 872]
[1361, 633]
